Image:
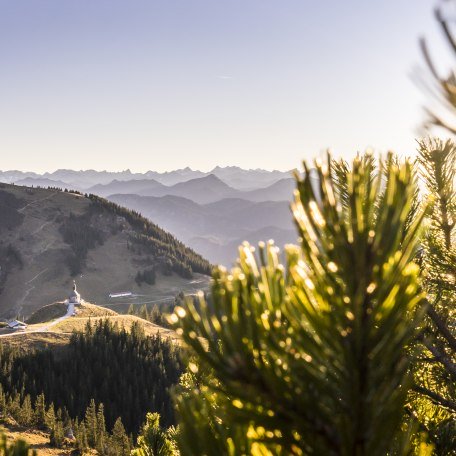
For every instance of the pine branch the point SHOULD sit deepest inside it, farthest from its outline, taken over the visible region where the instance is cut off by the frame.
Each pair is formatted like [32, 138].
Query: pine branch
[446, 29]
[412, 415]
[442, 358]
[435, 397]
[446, 88]
[441, 326]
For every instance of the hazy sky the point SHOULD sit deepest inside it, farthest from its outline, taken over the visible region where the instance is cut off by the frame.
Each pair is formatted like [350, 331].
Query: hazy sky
[148, 84]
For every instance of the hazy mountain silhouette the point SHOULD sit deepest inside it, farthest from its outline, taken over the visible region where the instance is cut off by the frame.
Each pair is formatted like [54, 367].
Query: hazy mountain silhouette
[201, 190]
[234, 176]
[228, 252]
[129, 186]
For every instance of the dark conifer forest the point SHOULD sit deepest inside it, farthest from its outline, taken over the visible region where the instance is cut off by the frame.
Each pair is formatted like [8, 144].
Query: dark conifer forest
[129, 373]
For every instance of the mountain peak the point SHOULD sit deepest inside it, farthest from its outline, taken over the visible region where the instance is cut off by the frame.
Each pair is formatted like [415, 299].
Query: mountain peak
[213, 177]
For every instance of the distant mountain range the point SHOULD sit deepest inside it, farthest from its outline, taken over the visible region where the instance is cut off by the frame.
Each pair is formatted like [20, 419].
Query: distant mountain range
[202, 190]
[242, 179]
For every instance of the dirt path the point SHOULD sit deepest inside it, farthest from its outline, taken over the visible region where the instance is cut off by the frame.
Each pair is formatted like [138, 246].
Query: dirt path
[34, 278]
[70, 312]
[42, 226]
[35, 201]
[46, 327]
[27, 292]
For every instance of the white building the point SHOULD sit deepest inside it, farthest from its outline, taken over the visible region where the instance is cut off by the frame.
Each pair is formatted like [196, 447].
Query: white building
[17, 325]
[75, 297]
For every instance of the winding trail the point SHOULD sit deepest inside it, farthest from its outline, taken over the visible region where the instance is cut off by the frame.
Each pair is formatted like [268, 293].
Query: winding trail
[34, 278]
[35, 201]
[40, 228]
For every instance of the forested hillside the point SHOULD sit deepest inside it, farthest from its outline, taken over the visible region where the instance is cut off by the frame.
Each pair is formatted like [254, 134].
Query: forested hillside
[63, 234]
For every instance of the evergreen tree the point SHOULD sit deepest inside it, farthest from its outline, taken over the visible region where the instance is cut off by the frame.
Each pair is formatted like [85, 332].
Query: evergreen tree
[120, 442]
[101, 430]
[153, 440]
[91, 424]
[26, 415]
[67, 423]
[13, 405]
[156, 316]
[81, 437]
[2, 401]
[57, 436]
[143, 313]
[435, 401]
[310, 358]
[50, 417]
[40, 410]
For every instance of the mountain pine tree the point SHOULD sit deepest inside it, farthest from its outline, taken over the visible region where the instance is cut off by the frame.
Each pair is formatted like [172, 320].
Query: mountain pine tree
[40, 410]
[101, 430]
[155, 441]
[50, 417]
[91, 425]
[120, 442]
[81, 436]
[435, 401]
[26, 414]
[309, 358]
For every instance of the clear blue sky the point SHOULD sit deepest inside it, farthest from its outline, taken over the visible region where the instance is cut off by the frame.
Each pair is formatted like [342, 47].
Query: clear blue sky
[148, 84]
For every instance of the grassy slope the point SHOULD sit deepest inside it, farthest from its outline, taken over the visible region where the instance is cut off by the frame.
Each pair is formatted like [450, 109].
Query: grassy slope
[48, 313]
[60, 333]
[38, 440]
